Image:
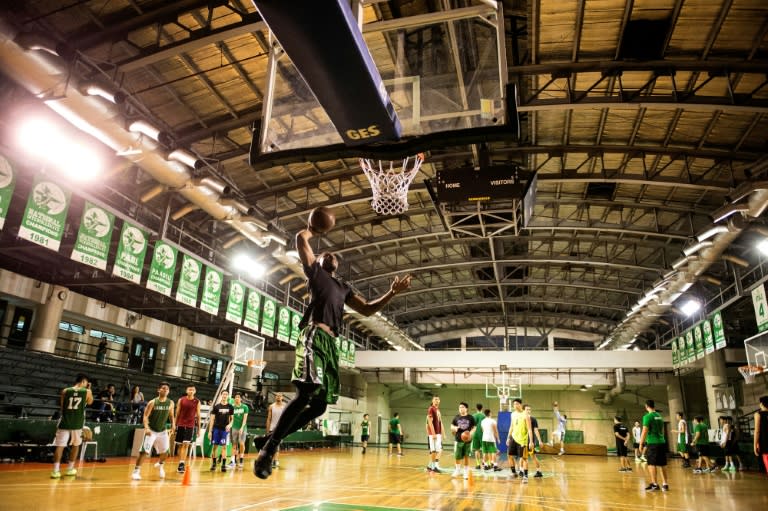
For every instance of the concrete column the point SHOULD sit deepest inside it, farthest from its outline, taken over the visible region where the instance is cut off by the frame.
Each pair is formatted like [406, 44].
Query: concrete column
[463, 343]
[714, 374]
[550, 342]
[5, 328]
[674, 397]
[174, 353]
[47, 317]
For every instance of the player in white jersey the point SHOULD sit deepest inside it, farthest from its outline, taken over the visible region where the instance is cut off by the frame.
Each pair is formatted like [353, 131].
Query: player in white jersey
[490, 441]
[274, 412]
[559, 435]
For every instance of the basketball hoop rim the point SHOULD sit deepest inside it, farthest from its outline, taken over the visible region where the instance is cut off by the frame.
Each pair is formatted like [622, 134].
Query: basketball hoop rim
[750, 372]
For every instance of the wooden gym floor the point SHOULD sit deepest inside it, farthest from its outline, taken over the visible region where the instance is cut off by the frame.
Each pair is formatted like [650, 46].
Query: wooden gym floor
[345, 479]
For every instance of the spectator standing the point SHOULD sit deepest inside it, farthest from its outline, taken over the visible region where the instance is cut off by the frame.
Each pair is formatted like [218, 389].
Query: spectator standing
[69, 430]
[101, 352]
[274, 412]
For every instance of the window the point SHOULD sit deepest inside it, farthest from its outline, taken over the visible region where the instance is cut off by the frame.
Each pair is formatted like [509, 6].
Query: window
[117, 339]
[66, 326]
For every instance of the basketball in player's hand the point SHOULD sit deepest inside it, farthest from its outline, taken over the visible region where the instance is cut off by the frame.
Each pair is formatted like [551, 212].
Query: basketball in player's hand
[87, 434]
[321, 219]
[465, 437]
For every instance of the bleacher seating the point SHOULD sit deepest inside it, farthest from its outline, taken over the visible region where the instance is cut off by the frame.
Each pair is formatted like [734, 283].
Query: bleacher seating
[30, 383]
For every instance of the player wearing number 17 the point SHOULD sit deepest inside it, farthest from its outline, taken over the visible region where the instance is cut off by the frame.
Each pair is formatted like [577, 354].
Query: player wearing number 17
[316, 369]
[69, 430]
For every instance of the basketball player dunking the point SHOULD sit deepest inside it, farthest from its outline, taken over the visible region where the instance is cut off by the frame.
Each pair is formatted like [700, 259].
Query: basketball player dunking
[316, 370]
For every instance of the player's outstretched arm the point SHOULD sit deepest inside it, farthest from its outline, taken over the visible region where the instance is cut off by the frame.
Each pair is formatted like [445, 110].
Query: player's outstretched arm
[368, 308]
[306, 255]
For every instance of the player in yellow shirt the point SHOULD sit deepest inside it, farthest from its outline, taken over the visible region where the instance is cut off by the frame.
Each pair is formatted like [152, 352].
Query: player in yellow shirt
[520, 439]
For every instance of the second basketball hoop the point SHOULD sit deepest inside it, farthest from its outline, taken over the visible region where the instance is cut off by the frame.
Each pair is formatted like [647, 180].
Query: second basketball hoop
[390, 181]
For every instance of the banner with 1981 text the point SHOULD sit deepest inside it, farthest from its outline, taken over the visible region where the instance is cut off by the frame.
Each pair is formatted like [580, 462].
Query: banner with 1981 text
[45, 214]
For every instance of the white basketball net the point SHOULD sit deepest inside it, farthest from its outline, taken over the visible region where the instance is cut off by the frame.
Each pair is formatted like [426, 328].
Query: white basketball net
[390, 183]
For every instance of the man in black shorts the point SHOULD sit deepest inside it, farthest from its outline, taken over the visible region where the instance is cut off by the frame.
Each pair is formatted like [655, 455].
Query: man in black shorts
[621, 432]
[316, 371]
[653, 437]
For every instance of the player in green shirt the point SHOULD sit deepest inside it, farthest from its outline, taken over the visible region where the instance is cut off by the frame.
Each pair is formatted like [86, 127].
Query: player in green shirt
[156, 416]
[653, 437]
[395, 434]
[72, 403]
[701, 443]
[477, 438]
[239, 430]
[365, 427]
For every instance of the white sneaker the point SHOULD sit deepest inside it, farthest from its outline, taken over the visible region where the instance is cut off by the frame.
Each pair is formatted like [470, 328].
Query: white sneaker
[136, 476]
[162, 472]
[158, 464]
[525, 479]
[456, 473]
[231, 464]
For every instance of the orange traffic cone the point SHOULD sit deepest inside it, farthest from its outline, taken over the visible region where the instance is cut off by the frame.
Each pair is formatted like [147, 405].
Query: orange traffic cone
[187, 476]
[471, 477]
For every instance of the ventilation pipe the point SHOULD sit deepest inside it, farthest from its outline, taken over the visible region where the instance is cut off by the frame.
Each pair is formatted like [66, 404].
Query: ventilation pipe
[709, 249]
[48, 75]
[618, 389]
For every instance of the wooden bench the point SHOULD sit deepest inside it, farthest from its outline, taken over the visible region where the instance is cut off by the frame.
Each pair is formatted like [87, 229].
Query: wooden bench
[583, 449]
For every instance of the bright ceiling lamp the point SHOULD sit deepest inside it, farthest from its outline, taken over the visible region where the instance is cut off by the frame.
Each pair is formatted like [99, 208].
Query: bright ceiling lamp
[53, 146]
[763, 247]
[690, 307]
[245, 264]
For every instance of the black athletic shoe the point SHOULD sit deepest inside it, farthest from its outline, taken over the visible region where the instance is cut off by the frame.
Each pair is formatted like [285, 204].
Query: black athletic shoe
[363, 450]
[223, 467]
[652, 487]
[181, 468]
[538, 474]
[213, 467]
[262, 467]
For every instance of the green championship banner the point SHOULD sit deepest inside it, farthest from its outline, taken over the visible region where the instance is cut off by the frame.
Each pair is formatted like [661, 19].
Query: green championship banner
[214, 280]
[690, 349]
[129, 261]
[295, 330]
[94, 236]
[709, 341]
[717, 330]
[45, 214]
[269, 316]
[253, 310]
[235, 302]
[284, 324]
[189, 281]
[162, 268]
[343, 354]
[351, 353]
[7, 185]
[698, 340]
[675, 357]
